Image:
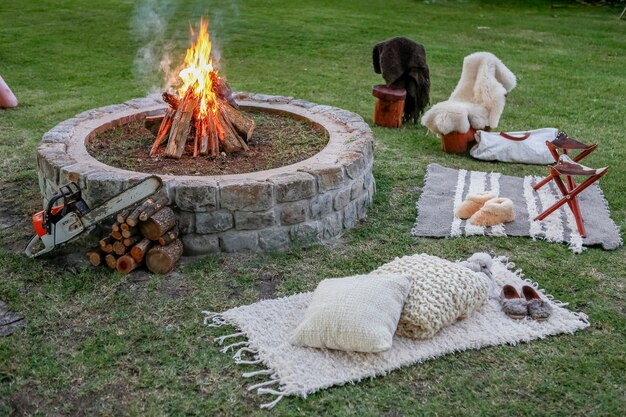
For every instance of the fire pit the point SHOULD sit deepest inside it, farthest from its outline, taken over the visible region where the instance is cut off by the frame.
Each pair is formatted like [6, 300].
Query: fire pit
[310, 201]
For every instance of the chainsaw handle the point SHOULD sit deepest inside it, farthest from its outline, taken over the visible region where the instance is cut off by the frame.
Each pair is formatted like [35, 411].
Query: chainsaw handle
[66, 192]
[33, 242]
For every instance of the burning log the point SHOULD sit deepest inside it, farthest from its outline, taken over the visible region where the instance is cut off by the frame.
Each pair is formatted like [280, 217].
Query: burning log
[163, 131]
[244, 126]
[228, 129]
[161, 259]
[181, 126]
[224, 92]
[172, 100]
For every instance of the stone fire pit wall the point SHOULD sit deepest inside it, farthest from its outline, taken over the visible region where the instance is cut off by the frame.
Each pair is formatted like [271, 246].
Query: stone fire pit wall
[307, 202]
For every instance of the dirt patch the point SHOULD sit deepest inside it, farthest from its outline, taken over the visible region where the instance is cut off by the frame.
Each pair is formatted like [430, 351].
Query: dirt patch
[175, 286]
[268, 279]
[277, 141]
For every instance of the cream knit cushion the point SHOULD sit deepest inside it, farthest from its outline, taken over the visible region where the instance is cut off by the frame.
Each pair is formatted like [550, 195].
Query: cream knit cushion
[358, 313]
[441, 293]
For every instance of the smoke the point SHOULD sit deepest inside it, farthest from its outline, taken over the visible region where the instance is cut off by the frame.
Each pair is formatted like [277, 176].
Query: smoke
[153, 62]
[159, 57]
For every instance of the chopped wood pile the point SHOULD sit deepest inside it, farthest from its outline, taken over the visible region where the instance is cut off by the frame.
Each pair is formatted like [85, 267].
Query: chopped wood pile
[219, 128]
[147, 234]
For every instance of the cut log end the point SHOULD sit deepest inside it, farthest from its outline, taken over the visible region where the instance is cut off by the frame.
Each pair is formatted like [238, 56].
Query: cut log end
[159, 223]
[111, 261]
[95, 256]
[139, 250]
[162, 259]
[126, 264]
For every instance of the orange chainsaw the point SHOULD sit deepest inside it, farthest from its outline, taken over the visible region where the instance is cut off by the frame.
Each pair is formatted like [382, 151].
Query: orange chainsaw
[67, 215]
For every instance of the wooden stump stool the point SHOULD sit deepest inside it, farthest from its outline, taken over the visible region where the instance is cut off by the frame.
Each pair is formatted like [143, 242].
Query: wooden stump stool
[389, 105]
[456, 142]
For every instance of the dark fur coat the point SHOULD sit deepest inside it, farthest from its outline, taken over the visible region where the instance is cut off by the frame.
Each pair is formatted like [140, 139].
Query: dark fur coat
[402, 63]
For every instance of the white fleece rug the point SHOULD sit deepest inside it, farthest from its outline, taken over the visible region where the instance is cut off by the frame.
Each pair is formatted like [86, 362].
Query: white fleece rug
[264, 329]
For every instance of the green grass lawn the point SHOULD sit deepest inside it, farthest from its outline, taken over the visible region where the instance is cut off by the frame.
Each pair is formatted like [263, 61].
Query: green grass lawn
[105, 344]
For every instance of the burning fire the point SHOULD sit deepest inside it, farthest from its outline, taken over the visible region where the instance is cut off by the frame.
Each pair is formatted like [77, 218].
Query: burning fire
[199, 73]
[203, 110]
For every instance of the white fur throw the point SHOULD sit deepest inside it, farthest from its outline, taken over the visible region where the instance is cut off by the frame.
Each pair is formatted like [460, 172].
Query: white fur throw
[358, 313]
[441, 293]
[478, 99]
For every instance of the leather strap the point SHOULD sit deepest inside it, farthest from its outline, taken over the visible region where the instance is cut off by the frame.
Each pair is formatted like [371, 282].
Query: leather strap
[523, 137]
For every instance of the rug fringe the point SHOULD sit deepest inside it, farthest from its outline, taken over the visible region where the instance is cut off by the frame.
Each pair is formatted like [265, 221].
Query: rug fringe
[263, 384]
[279, 396]
[261, 372]
[234, 345]
[254, 362]
[237, 355]
[213, 319]
[220, 340]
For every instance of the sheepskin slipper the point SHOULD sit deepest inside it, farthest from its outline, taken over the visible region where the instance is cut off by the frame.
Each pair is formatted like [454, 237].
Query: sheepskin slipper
[495, 211]
[513, 305]
[538, 309]
[473, 202]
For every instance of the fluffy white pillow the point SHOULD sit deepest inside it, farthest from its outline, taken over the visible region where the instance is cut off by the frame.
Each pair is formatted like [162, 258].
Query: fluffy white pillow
[441, 293]
[358, 313]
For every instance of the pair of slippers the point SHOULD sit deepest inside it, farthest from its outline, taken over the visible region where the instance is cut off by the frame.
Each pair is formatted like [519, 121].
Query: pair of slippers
[532, 305]
[485, 209]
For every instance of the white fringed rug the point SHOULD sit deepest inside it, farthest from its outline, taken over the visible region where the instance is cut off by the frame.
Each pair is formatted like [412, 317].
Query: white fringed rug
[264, 329]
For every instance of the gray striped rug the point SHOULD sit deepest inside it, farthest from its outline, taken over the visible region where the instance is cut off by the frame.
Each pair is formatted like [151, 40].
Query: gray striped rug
[446, 188]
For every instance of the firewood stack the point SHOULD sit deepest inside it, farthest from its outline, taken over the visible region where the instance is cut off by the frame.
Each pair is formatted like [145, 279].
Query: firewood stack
[147, 234]
[222, 129]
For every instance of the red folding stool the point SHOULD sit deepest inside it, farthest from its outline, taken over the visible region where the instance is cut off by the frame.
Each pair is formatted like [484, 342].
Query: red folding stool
[563, 143]
[568, 167]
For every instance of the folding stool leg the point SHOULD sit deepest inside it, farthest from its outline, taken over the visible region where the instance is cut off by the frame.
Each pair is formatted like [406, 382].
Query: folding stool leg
[585, 152]
[569, 197]
[574, 206]
[565, 199]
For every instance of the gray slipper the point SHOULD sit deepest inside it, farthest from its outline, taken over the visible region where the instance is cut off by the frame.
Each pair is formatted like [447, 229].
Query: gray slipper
[538, 309]
[513, 305]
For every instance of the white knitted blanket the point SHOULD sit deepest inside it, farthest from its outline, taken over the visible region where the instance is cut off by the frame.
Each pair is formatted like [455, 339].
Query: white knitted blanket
[264, 330]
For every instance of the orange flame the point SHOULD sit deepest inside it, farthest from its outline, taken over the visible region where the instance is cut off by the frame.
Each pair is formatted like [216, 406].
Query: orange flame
[199, 73]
